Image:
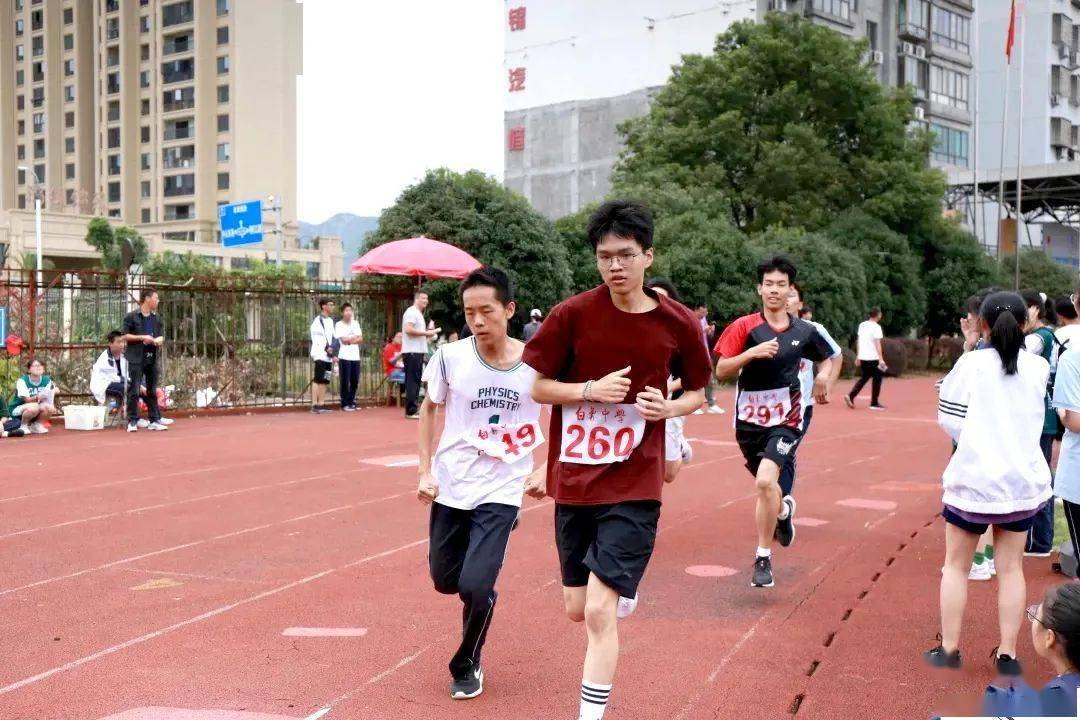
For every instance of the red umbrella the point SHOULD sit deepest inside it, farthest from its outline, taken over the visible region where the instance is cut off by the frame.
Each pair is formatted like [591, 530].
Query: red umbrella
[418, 256]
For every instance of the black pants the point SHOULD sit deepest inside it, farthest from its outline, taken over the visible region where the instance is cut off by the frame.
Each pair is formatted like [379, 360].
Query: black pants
[145, 375]
[787, 472]
[1072, 517]
[870, 371]
[414, 370]
[349, 374]
[465, 556]
[1041, 536]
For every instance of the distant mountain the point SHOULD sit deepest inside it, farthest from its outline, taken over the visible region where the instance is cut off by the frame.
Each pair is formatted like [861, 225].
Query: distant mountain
[352, 229]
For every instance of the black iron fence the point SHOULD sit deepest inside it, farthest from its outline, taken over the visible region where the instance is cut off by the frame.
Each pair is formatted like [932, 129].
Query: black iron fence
[230, 341]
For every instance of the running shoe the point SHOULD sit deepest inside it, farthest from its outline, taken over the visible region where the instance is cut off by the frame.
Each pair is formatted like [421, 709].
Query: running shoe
[469, 685]
[349, 408]
[879, 408]
[849, 402]
[716, 410]
[413, 417]
[133, 427]
[38, 429]
[785, 528]
[763, 577]
[165, 421]
[1038, 553]
[699, 411]
[156, 427]
[626, 607]
[940, 659]
[686, 451]
[980, 571]
[143, 423]
[1007, 665]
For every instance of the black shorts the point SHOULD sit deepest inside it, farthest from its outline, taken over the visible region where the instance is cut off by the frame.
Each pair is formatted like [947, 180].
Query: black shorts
[979, 528]
[323, 368]
[775, 443]
[613, 542]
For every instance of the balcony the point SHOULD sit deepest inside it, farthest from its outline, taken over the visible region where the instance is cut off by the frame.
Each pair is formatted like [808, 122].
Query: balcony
[179, 99]
[177, 14]
[177, 71]
[179, 130]
[913, 19]
[177, 158]
[178, 44]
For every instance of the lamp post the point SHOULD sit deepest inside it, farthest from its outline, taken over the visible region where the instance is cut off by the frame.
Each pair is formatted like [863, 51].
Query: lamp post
[37, 219]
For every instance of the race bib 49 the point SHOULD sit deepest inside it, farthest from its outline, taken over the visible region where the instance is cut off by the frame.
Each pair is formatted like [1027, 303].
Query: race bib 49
[766, 408]
[599, 433]
[508, 443]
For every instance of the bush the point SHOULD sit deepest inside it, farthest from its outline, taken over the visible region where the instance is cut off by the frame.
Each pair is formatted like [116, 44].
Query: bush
[896, 356]
[848, 368]
[918, 353]
[947, 350]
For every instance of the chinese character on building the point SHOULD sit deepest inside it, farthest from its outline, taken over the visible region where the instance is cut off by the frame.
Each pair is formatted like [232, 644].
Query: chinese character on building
[517, 79]
[517, 19]
[515, 140]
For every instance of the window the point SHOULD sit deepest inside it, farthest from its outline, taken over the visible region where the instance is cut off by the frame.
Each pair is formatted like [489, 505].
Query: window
[223, 93]
[39, 148]
[20, 127]
[144, 134]
[20, 26]
[311, 270]
[20, 152]
[144, 108]
[69, 119]
[114, 212]
[39, 170]
[112, 111]
[37, 72]
[69, 171]
[224, 152]
[950, 145]
[69, 197]
[144, 52]
[114, 192]
[38, 45]
[69, 16]
[112, 29]
[69, 93]
[112, 6]
[37, 20]
[144, 188]
[837, 8]
[871, 35]
[181, 99]
[113, 165]
[913, 17]
[182, 156]
[222, 7]
[178, 44]
[949, 87]
[223, 65]
[69, 68]
[37, 99]
[20, 102]
[112, 57]
[951, 29]
[69, 145]
[144, 24]
[20, 52]
[177, 13]
[179, 129]
[177, 70]
[144, 79]
[39, 122]
[22, 201]
[914, 72]
[144, 161]
[112, 138]
[223, 123]
[176, 185]
[20, 78]
[145, 215]
[223, 181]
[240, 263]
[223, 36]
[69, 42]
[112, 83]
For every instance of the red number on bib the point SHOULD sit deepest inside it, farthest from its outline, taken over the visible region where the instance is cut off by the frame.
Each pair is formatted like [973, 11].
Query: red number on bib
[511, 447]
[624, 442]
[579, 435]
[598, 442]
[764, 414]
[527, 436]
[779, 408]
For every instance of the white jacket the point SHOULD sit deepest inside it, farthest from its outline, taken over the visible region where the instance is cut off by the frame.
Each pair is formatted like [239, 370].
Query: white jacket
[103, 373]
[996, 421]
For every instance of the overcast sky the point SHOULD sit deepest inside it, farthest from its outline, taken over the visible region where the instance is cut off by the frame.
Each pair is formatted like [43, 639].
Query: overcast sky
[391, 89]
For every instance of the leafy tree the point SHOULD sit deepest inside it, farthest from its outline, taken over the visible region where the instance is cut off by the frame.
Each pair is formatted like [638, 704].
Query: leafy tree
[1038, 271]
[956, 267]
[108, 241]
[783, 124]
[583, 271]
[476, 213]
[181, 265]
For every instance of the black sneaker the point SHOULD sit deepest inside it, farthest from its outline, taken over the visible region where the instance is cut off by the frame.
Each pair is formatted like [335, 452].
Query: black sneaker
[785, 529]
[879, 408]
[940, 659]
[1007, 665]
[468, 685]
[762, 573]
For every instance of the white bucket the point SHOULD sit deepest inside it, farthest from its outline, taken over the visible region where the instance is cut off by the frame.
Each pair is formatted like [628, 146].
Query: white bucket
[84, 417]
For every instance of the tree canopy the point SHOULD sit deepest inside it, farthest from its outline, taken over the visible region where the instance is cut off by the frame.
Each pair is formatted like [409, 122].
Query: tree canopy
[108, 241]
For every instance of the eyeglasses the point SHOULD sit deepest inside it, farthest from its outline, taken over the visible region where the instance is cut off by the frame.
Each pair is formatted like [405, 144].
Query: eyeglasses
[624, 258]
[1033, 616]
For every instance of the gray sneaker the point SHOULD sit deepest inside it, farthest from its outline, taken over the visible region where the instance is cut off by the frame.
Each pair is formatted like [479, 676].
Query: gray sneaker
[785, 529]
[156, 427]
[133, 427]
[468, 685]
[763, 577]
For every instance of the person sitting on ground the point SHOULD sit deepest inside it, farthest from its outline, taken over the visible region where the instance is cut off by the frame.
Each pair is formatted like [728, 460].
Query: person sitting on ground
[34, 393]
[107, 377]
[393, 363]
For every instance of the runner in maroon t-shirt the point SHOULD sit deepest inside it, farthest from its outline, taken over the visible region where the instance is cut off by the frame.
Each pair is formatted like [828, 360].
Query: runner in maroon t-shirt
[604, 358]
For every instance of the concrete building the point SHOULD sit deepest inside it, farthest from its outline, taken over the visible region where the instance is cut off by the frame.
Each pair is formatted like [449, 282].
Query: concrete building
[575, 70]
[152, 113]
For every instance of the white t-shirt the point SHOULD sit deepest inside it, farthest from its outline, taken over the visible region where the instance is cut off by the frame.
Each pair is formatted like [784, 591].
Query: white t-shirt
[344, 330]
[410, 344]
[483, 405]
[869, 331]
[1069, 335]
[322, 334]
[806, 367]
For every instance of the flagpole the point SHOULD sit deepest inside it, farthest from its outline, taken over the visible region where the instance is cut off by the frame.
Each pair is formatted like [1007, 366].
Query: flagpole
[1002, 212]
[1020, 150]
[975, 141]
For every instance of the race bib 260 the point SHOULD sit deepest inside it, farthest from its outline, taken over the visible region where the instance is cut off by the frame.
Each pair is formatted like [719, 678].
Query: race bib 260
[599, 433]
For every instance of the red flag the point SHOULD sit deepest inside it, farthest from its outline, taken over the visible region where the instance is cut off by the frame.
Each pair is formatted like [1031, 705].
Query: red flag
[1011, 39]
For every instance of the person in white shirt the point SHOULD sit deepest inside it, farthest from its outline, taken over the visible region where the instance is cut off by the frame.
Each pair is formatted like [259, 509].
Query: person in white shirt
[992, 405]
[483, 463]
[870, 360]
[322, 353]
[1068, 331]
[349, 336]
[414, 348]
[107, 377]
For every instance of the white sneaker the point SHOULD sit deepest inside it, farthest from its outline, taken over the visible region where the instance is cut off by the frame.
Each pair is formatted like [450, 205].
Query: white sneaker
[143, 423]
[165, 421]
[626, 608]
[687, 451]
[699, 411]
[38, 429]
[133, 427]
[990, 564]
[979, 571]
[156, 427]
[716, 410]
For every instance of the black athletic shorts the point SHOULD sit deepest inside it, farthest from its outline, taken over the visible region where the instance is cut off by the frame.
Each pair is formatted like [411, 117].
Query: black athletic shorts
[323, 369]
[979, 528]
[613, 542]
[774, 443]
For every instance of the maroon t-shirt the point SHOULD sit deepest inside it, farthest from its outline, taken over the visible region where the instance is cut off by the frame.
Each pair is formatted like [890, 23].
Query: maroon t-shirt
[587, 337]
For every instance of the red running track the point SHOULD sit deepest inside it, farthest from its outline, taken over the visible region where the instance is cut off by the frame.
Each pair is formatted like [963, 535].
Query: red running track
[194, 569]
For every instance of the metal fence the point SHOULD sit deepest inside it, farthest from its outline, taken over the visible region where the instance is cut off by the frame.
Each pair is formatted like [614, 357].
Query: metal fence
[230, 341]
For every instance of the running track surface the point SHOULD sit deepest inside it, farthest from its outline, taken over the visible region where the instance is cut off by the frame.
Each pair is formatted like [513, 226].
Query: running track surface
[270, 567]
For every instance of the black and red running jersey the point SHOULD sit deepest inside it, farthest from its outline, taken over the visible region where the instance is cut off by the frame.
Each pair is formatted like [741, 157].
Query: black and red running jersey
[768, 392]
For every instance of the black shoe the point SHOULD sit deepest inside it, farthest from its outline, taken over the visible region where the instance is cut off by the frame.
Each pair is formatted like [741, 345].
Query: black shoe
[468, 685]
[940, 659]
[1007, 665]
[878, 407]
[762, 573]
[785, 529]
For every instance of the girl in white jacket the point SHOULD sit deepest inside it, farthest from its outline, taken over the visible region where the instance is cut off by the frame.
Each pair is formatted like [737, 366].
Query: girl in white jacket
[992, 405]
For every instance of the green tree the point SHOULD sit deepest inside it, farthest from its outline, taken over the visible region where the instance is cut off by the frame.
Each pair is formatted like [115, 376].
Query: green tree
[955, 268]
[583, 271]
[184, 265]
[109, 242]
[1038, 271]
[476, 213]
[783, 124]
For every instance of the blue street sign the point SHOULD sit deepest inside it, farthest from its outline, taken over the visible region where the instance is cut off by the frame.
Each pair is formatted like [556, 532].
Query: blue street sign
[241, 223]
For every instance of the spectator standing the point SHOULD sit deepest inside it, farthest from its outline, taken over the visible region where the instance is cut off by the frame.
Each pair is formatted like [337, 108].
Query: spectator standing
[109, 371]
[535, 319]
[1067, 403]
[322, 353]
[414, 348]
[708, 330]
[870, 360]
[144, 334]
[1040, 340]
[349, 336]
[34, 393]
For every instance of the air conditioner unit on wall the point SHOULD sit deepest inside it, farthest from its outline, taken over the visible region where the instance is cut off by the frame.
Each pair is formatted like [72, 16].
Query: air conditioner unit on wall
[907, 48]
[920, 52]
[920, 113]
[877, 57]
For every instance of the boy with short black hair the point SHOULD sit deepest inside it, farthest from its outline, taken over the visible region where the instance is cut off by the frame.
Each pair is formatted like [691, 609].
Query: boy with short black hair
[144, 334]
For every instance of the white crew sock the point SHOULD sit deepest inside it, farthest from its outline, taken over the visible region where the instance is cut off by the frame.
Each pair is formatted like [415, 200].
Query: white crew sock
[594, 699]
[785, 510]
[764, 552]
